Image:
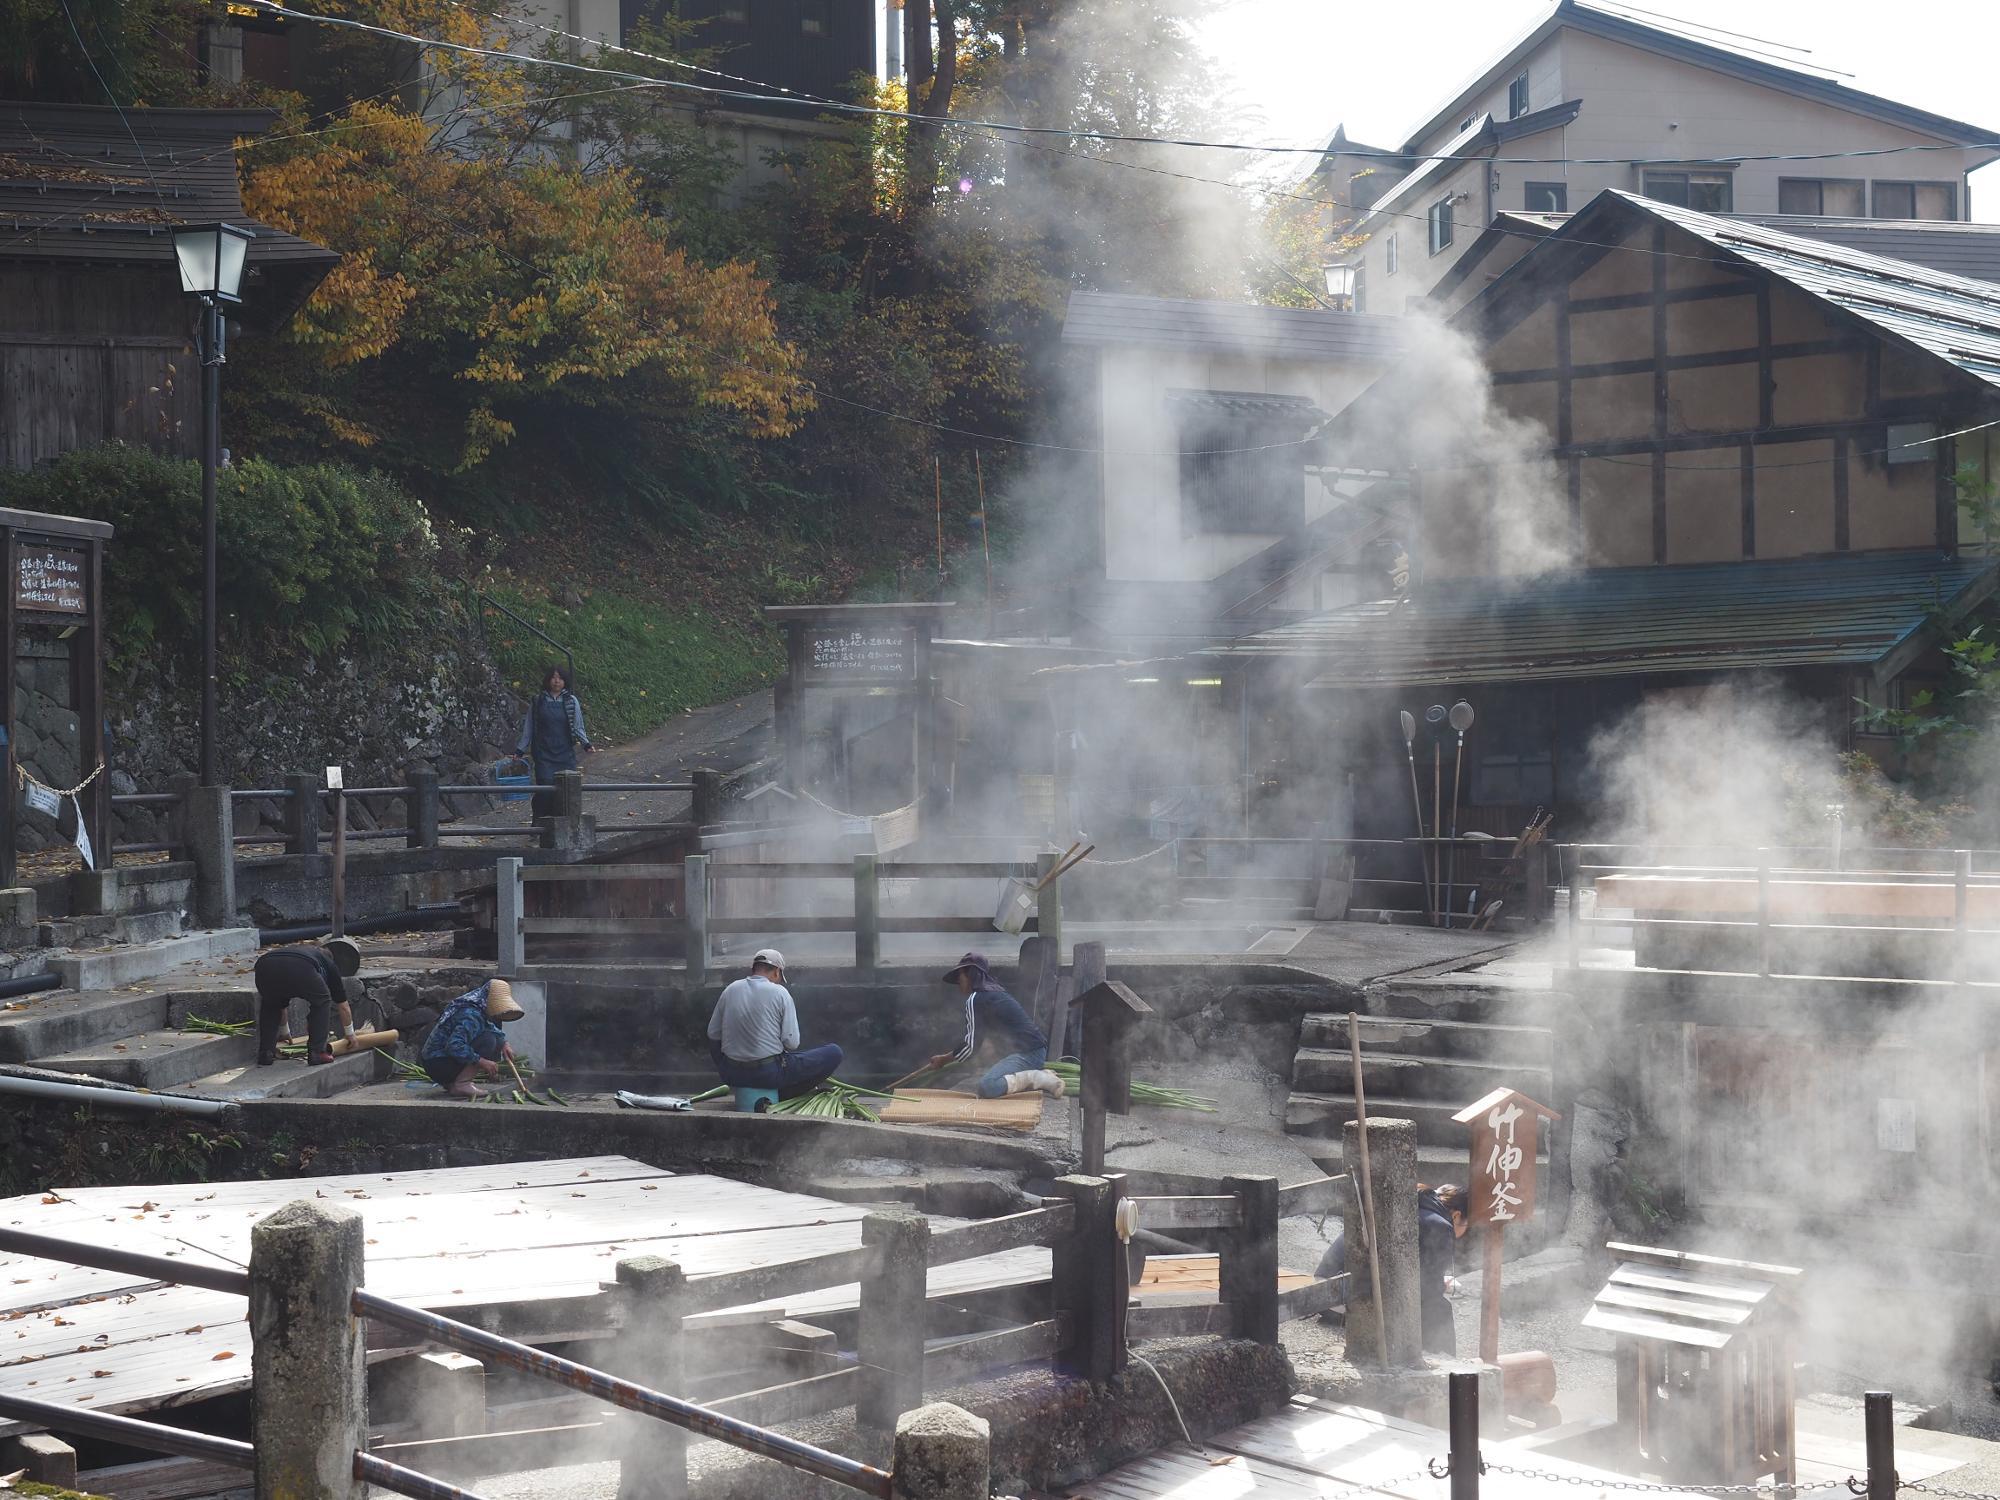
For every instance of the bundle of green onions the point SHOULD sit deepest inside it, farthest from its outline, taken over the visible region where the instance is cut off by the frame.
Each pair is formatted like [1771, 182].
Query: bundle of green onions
[206, 1027]
[1071, 1073]
[832, 1100]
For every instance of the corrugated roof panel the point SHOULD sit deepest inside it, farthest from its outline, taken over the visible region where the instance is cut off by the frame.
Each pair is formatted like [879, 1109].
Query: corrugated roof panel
[1951, 246]
[1234, 327]
[1623, 621]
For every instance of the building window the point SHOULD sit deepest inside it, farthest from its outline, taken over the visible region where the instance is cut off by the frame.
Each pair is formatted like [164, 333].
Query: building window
[1360, 289]
[1392, 254]
[1242, 461]
[1839, 196]
[1705, 192]
[1548, 198]
[816, 18]
[1440, 217]
[1517, 97]
[733, 12]
[1916, 200]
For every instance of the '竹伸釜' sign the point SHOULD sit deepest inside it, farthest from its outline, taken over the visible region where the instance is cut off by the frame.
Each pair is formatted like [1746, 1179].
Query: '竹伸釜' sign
[1506, 1127]
[51, 580]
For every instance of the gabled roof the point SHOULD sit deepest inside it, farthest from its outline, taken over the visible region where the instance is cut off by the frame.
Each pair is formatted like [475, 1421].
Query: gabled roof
[1482, 134]
[1231, 327]
[85, 185]
[1861, 610]
[1705, 55]
[1962, 249]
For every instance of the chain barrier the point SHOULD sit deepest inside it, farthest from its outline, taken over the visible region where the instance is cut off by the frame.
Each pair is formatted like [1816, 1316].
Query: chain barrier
[1938, 1489]
[1638, 1486]
[24, 778]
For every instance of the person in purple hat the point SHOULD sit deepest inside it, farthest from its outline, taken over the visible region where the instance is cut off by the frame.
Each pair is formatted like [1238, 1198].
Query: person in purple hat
[999, 1036]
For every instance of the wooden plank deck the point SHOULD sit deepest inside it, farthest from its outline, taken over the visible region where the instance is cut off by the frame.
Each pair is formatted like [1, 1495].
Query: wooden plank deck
[458, 1240]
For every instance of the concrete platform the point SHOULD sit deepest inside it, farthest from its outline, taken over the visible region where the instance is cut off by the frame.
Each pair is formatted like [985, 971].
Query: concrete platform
[109, 967]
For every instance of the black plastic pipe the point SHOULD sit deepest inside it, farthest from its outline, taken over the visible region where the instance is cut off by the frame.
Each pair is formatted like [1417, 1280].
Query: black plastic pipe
[9, 988]
[400, 921]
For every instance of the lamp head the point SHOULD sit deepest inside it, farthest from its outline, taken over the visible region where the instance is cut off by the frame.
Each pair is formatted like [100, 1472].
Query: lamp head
[210, 258]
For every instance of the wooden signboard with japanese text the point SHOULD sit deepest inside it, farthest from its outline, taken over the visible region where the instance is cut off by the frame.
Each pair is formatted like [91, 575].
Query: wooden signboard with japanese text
[1500, 1184]
[859, 654]
[51, 580]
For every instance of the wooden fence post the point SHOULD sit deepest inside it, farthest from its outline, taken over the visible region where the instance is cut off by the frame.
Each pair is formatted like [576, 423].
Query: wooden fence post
[652, 1349]
[1087, 972]
[510, 945]
[422, 802]
[302, 813]
[1090, 1279]
[867, 913]
[308, 1377]
[1048, 909]
[705, 811]
[890, 1339]
[1248, 1272]
[694, 912]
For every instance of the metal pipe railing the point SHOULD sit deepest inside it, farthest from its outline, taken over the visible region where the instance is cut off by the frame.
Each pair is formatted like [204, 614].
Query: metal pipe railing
[379, 1471]
[631, 1396]
[150, 1437]
[130, 1262]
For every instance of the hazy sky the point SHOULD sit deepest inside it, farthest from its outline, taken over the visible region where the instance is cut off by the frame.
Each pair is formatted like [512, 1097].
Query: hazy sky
[1308, 65]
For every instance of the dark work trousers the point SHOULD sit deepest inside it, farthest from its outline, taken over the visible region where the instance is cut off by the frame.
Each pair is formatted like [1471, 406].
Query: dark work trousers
[790, 1073]
[544, 805]
[283, 977]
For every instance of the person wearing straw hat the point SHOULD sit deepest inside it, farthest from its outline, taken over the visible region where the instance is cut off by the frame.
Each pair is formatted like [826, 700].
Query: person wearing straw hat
[466, 1043]
[314, 973]
[999, 1035]
[753, 1034]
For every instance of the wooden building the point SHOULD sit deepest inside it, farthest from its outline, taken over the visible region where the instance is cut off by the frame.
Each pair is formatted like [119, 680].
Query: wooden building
[96, 339]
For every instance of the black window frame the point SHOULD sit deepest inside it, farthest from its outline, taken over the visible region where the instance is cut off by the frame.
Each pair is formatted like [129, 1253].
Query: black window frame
[1558, 193]
[1819, 186]
[1242, 461]
[1909, 185]
[1439, 216]
[816, 10]
[1651, 182]
[1517, 97]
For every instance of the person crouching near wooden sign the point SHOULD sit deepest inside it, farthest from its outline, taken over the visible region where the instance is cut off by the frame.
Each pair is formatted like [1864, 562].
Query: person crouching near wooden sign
[467, 1042]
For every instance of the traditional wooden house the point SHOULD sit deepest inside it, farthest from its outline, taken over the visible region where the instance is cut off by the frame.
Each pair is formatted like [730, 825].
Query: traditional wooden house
[1755, 446]
[96, 340]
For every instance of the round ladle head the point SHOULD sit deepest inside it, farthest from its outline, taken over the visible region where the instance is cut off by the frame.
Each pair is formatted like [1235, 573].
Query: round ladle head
[1409, 726]
[1461, 716]
[1434, 714]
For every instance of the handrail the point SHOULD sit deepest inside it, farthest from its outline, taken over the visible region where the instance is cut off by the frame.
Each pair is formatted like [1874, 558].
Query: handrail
[370, 1469]
[131, 1262]
[130, 1431]
[701, 1420]
[569, 657]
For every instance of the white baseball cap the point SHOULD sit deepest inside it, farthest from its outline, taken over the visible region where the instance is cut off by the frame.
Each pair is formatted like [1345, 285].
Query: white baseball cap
[769, 956]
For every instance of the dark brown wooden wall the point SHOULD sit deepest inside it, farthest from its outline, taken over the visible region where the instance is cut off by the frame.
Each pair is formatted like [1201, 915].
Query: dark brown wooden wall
[89, 354]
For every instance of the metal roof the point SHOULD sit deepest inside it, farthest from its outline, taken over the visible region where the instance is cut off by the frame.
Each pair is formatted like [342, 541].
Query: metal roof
[1962, 249]
[1231, 327]
[1952, 317]
[1605, 622]
[85, 185]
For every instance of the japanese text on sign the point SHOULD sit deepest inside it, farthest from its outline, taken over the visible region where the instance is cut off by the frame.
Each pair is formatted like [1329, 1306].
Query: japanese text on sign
[1505, 1127]
[860, 654]
[1503, 1163]
[50, 579]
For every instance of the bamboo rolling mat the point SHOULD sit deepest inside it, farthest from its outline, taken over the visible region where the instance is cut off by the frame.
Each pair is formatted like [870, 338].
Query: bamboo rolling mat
[949, 1107]
[1169, 1275]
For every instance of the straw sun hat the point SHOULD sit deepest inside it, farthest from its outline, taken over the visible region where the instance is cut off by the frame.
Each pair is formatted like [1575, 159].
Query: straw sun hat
[500, 1002]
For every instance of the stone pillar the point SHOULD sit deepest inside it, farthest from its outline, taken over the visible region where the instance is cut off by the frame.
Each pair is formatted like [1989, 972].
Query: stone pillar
[94, 893]
[867, 914]
[308, 1379]
[442, 1392]
[706, 809]
[943, 1452]
[46, 1457]
[569, 829]
[652, 1349]
[302, 813]
[510, 945]
[209, 831]
[890, 1342]
[422, 801]
[1392, 1162]
[19, 912]
[180, 785]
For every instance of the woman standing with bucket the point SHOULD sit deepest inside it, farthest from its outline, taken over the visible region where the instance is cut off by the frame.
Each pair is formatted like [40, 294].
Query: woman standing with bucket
[550, 734]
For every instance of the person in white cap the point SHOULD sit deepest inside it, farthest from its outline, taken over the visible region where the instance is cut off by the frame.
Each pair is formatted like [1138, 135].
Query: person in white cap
[753, 1034]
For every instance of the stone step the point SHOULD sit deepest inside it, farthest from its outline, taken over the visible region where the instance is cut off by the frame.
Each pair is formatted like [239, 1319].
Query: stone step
[111, 967]
[292, 1078]
[156, 1059]
[55, 1021]
[148, 926]
[1311, 1114]
[1474, 1039]
[1458, 999]
[1409, 1075]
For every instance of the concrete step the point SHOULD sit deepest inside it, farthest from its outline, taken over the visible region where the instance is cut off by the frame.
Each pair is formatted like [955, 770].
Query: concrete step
[1409, 1075]
[1311, 1114]
[157, 1059]
[148, 926]
[111, 967]
[1458, 999]
[292, 1078]
[1473, 1039]
[56, 1021]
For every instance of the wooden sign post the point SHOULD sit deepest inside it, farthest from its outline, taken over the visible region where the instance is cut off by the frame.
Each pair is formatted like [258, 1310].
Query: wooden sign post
[1108, 1011]
[1506, 1128]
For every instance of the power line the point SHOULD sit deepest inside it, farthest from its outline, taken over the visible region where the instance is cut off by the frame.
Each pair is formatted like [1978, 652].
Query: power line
[909, 116]
[83, 48]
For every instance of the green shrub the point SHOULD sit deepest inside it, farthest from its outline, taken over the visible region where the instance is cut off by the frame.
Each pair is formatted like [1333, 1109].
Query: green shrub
[311, 559]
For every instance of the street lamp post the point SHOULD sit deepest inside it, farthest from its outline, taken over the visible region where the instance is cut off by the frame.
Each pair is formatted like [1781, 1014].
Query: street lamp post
[211, 258]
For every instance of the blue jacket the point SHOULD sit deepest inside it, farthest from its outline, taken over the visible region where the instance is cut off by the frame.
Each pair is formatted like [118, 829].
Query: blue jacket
[994, 1016]
[572, 717]
[463, 1034]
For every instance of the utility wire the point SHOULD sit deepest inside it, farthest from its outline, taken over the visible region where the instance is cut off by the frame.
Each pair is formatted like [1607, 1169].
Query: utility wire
[270, 7]
[123, 119]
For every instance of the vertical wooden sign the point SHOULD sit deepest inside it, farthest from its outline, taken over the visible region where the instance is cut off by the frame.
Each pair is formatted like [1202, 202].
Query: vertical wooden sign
[1506, 1129]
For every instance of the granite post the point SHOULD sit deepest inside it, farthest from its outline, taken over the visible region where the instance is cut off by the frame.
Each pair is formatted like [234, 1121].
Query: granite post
[652, 1350]
[1392, 1162]
[890, 1340]
[943, 1452]
[308, 1377]
[209, 830]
